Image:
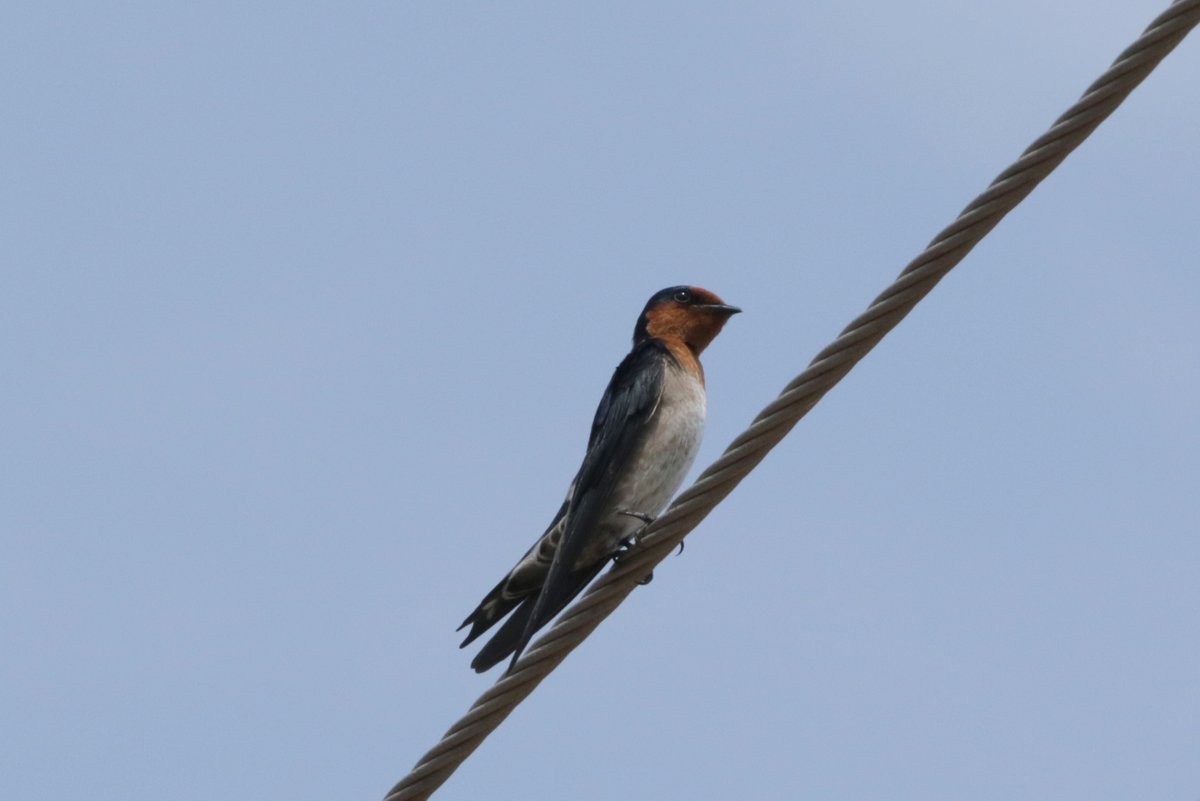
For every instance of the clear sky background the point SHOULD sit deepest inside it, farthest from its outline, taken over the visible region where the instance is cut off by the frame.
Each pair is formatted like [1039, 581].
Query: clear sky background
[306, 309]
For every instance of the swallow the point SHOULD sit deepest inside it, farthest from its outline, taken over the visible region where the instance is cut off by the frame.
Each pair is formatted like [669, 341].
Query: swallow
[644, 438]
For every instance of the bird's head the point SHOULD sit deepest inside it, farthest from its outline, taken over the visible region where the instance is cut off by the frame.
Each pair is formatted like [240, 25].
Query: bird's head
[686, 314]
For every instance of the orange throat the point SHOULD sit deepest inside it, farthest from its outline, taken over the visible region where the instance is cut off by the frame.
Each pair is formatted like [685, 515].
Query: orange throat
[685, 356]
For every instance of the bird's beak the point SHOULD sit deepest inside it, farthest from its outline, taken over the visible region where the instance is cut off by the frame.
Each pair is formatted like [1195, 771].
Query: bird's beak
[722, 308]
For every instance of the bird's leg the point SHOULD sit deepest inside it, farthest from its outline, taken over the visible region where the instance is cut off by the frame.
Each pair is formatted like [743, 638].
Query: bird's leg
[633, 538]
[631, 542]
[628, 544]
[645, 518]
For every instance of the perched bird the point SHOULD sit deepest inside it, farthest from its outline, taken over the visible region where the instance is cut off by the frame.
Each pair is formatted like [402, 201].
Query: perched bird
[644, 438]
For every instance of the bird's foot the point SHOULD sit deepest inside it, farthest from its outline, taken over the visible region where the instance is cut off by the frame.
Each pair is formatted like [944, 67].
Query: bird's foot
[631, 543]
[633, 540]
[624, 548]
[645, 518]
[628, 545]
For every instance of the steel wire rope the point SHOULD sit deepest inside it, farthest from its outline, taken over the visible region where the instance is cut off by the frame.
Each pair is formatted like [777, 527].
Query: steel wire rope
[829, 366]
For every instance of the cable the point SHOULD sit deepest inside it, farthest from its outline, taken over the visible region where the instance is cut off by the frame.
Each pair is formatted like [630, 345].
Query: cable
[946, 250]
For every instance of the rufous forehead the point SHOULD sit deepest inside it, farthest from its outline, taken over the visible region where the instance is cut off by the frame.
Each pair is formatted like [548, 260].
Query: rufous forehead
[704, 296]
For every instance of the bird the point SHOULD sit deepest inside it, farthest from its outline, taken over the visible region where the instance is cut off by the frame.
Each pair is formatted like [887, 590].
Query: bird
[644, 437]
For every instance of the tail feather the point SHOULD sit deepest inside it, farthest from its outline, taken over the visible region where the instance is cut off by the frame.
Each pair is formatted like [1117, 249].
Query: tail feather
[523, 582]
[512, 637]
[504, 641]
[546, 605]
[491, 609]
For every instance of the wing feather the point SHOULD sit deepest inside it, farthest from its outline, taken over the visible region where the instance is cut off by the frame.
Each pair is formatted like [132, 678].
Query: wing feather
[618, 430]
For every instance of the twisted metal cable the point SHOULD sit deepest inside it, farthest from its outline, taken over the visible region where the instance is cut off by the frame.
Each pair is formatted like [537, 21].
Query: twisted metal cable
[828, 367]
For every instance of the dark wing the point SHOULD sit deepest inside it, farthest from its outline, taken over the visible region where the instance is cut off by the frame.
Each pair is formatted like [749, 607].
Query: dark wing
[617, 431]
[521, 583]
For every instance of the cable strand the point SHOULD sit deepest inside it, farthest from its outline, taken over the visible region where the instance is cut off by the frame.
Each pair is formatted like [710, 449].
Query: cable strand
[773, 423]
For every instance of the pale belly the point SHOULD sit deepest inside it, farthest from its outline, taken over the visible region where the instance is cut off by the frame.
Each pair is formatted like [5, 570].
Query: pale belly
[659, 466]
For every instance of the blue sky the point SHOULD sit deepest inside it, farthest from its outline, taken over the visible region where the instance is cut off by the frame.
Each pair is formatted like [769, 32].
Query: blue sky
[306, 310]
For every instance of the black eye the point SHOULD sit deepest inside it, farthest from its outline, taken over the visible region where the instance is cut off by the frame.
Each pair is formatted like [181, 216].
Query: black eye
[683, 296]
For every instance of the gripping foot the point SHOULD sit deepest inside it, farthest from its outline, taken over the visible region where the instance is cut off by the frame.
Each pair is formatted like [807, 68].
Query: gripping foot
[630, 543]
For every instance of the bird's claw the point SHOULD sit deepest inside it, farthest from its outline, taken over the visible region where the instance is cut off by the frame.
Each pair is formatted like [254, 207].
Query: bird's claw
[645, 518]
[633, 540]
[624, 548]
[630, 543]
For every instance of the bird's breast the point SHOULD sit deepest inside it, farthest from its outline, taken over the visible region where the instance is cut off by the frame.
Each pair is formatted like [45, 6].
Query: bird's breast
[669, 448]
[656, 468]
